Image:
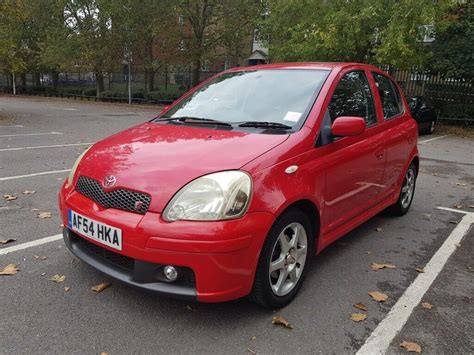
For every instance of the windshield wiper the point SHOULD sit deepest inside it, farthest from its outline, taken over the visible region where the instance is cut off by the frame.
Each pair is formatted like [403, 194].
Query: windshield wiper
[192, 119]
[259, 124]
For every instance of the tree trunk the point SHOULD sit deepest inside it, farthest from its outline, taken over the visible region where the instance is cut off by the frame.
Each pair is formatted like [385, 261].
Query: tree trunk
[99, 80]
[14, 83]
[196, 71]
[55, 79]
[37, 79]
[151, 80]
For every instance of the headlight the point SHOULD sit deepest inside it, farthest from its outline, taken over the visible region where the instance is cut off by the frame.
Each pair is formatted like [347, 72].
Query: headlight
[213, 197]
[74, 167]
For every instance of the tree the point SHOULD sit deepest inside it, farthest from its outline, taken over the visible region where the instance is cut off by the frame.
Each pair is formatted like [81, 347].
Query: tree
[215, 25]
[14, 52]
[453, 49]
[377, 31]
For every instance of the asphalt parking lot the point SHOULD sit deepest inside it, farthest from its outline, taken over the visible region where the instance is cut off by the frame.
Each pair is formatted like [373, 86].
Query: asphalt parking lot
[41, 138]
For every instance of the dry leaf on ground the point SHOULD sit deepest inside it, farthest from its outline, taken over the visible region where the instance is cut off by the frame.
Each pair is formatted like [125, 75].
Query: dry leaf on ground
[6, 241]
[426, 305]
[101, 287]
[26, 192]
[361, 306]
[453, 222]
[420, 270]
[9, 197]
[457, 206]
[282, 321]
[379, 229]
[358, 317]
[251, 351]
[461, 184]
[37, 257]
[104, 353]
[410, 346]
[67, 288]
[471, 206]
[378, 296]
[44, 215]
[58, 278]
[378, 266]
[10, 269]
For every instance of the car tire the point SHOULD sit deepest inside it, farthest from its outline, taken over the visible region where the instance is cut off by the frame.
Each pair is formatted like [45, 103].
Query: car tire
[407, 192]
[287, 250]
[430, 128]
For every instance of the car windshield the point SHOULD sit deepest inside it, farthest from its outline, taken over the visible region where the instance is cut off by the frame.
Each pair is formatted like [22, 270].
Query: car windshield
[280, 96]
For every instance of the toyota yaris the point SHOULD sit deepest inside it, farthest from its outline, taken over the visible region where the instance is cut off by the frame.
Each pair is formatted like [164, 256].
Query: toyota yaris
[231, 190]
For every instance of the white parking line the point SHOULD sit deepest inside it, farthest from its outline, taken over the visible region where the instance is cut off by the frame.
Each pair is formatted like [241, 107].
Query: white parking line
[33, 243]
[35, 174]
[28, 134]
[432, 139]
[65, 108]
[45, 146]
[380, 339]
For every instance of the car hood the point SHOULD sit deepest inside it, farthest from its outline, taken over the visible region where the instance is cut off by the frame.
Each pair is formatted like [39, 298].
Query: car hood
[159, 159]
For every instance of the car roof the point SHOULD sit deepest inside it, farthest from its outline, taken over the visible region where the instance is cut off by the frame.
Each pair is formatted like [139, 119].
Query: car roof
[304, 65]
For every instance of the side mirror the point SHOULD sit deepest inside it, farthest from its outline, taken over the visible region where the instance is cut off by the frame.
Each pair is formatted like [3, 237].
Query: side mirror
[346, 126]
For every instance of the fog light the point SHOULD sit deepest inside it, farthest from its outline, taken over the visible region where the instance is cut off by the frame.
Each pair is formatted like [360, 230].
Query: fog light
[170, 273]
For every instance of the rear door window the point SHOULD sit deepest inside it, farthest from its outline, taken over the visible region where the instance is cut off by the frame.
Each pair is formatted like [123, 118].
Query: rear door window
[389, 95]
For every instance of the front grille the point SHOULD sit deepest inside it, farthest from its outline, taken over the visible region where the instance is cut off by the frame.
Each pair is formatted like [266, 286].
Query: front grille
[121, 199]
[117, 259]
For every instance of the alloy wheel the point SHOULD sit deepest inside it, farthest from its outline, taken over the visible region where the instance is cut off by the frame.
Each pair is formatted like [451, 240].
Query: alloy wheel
[408, 188]
[288, 259]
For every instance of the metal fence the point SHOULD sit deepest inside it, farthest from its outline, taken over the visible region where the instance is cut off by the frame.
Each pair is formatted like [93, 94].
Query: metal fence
[453, 99]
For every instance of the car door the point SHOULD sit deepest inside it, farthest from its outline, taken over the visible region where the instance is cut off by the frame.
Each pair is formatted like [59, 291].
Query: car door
[354, 166]
[399, 133]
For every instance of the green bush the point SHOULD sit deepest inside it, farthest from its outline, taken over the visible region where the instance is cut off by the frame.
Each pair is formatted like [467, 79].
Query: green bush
[89, 92]
[153, 95]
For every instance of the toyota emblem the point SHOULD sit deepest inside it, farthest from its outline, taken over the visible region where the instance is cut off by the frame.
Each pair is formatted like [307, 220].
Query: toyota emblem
[109, 181]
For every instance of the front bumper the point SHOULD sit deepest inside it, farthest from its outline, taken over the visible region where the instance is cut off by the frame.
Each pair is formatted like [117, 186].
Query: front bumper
[222, 256]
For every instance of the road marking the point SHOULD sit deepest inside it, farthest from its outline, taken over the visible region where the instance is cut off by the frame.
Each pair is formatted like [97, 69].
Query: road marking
[454, 210]
[31, 175]
[66, 109]
[45, 146]
[28, 134]
[33, 243]
[380, 339]
[433, 139]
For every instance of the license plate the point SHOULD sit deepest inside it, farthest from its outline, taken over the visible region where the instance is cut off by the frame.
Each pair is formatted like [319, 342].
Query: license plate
[97, 231]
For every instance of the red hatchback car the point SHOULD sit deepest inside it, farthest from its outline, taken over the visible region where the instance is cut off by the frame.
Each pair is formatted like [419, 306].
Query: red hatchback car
[232, 189]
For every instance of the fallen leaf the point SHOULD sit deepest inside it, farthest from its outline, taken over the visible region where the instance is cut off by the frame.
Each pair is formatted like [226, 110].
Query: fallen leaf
[282, 321]
[378, 266]
[189, 308]
[10, 197]
[44, 215]
[457, 206]
[361, 306]
[43, 273]
[26, 192]
[104, 353]
[101, 287]
[379, 229]
[251, 351]
[358, 317]
[427, 216]
[58, 278]
[368, 252]
[378, 296]
[10, 269]
[426, 305]
[435, 174]
[453, 222]
[67, 288]
[253, 338]
[411, 347]
[37, 257]
[420, 270]
[461, 184]
[6, 241]
[471, 206]
[34, 210]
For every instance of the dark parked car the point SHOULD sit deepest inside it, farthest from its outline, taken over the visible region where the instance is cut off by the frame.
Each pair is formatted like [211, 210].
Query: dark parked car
[424, 113]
